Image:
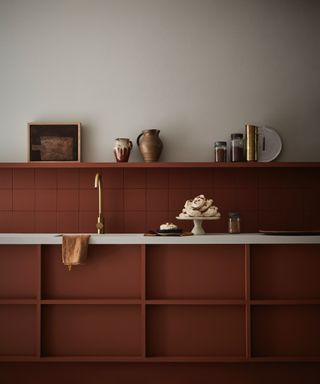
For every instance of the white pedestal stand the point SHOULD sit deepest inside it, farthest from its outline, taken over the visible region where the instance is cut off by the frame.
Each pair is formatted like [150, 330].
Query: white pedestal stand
[197, 223]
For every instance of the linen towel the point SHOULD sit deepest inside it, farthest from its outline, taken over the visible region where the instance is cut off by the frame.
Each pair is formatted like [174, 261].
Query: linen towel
[74, 249]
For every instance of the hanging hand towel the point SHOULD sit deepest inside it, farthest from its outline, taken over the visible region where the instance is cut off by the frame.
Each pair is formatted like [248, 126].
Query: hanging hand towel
[74, 249]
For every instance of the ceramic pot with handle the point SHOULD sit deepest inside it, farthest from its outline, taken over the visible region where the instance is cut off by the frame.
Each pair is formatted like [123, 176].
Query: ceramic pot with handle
[150, 145]
[122, 149]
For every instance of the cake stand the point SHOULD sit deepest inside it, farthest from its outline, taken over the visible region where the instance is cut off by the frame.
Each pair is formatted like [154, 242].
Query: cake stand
[197, 223]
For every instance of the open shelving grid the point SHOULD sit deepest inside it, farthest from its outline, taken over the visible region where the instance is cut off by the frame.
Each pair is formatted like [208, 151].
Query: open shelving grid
[161, 303]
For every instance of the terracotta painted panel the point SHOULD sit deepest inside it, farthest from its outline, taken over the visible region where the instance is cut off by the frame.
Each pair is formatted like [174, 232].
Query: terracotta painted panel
[286, 330]
[111, 271]
[195, 272]
[17, 330]
[99, 330]
[18, 271]
[285, 272]
[195, 330]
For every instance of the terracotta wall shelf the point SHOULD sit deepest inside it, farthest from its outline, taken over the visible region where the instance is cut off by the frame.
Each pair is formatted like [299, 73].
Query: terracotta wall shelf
[163, 165]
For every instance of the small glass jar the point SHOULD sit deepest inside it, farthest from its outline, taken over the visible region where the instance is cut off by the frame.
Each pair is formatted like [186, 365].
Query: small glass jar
[234, 222]
[237, 147]
[220, 151]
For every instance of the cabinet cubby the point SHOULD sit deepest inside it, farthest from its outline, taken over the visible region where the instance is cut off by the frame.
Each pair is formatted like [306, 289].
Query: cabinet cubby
[282, 272]
[91, 330]
[195, 272]
[286, 330]
[18, 272]
[202, 330]
[110, 272]
[18, 328]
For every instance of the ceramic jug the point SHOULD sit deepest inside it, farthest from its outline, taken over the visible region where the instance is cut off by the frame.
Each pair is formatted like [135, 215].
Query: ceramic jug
[122, 149]
[150, 145]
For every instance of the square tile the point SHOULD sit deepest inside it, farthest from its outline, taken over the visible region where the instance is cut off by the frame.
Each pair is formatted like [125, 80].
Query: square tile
[87, 222]
[225, 199]
[157, 178]
[113, 200]
[68, 178]
[46, 200]
[68, 200]
[5, 222]
[23, 222]
[177, 199]
[135, 199]
[23, 200]
[112, 178]
[246, 199]
[249, 221]
[5, 199]
[225, 178]
[89, 200]
[246, 178]
[46, 222]
[114, 222]
[157, 199]
[134, 222]
[5, 178]
[23, 178]
[134, 178]
[202, 178]
[46, 178]
[67, 222]
[311, 200]
[179, 178]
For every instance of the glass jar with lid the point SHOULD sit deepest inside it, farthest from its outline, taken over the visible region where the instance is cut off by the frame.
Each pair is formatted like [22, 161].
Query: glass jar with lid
[237, 147]
[234, 222]
[220, 151]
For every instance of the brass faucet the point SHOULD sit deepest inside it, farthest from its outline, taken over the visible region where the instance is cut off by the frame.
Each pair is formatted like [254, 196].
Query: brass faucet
[100, 221]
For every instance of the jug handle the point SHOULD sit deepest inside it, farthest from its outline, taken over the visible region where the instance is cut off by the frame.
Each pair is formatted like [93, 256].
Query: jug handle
[138, 139]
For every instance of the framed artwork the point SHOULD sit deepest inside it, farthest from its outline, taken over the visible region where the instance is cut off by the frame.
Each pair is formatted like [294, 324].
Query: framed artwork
[54, 142]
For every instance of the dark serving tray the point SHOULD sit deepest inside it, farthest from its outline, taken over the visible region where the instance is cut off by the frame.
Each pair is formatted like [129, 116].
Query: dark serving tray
[291, 233]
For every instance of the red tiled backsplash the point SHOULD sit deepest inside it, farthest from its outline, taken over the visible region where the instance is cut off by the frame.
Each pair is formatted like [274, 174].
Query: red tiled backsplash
[137, 200]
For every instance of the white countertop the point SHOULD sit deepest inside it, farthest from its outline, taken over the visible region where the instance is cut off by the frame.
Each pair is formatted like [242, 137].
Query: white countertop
[138, 238]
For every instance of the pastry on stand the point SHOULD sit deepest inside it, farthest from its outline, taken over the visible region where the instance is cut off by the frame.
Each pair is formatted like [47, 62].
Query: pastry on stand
[199, 209]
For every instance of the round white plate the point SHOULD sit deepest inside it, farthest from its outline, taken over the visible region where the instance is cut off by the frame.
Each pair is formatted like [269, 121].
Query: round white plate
[269, 144]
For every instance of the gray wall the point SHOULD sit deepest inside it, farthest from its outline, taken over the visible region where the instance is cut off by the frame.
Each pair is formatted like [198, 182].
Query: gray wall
[197, 70]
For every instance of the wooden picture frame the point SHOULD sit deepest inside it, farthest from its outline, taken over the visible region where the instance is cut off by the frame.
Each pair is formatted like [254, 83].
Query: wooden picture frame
[54, 142]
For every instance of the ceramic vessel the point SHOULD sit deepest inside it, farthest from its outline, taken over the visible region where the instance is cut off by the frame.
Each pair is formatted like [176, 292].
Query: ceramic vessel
[150, 145]
[122, 149]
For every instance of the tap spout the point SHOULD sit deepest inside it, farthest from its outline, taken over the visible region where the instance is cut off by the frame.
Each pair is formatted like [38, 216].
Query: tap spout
[100, 221]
